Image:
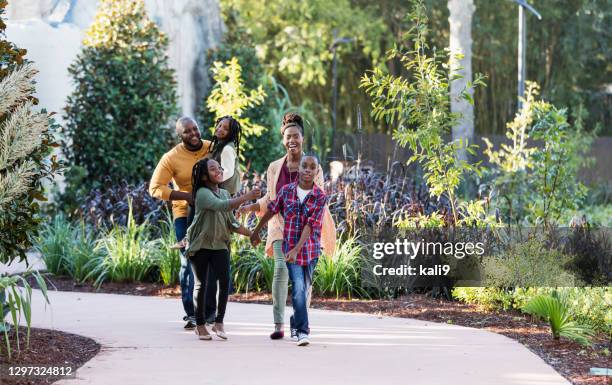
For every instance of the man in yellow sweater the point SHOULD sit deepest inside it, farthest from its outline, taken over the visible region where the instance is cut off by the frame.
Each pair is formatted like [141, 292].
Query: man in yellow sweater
[175, 166]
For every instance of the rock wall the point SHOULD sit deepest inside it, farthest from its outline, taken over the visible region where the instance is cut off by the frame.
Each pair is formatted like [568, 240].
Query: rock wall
[52, 31]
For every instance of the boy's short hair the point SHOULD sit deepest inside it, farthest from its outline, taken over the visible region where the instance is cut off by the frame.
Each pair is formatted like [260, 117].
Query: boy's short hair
[312, 154]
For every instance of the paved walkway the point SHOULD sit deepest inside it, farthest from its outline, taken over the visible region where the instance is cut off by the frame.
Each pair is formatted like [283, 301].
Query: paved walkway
[143, 342]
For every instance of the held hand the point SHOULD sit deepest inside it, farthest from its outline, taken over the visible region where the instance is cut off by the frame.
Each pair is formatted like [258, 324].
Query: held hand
[254, 193]
[242, 210]
[255, 239]
[291, 256]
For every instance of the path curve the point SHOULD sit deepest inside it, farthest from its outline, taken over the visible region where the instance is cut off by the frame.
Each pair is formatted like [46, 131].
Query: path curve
[143, 342]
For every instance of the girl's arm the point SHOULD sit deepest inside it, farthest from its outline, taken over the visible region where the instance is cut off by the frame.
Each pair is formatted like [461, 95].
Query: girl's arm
[228, 161]
[261, 206]
[242, 231]
[206, 200]
[255, 239]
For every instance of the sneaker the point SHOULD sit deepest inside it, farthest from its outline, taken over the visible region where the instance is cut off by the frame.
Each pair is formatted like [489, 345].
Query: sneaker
[202, 333]
[218, 329]
[190, 325]
[303, 339]
[277, 335]
[294, 334]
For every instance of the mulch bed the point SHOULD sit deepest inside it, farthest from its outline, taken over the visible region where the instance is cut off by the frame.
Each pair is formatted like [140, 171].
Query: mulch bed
[48, 348]
[570, 359]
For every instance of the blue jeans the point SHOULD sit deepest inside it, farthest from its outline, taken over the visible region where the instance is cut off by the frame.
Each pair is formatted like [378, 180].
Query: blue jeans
[187, 282]
[301, 281]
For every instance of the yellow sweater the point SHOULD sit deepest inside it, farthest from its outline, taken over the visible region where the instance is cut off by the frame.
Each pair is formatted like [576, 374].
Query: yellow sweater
[176, 166]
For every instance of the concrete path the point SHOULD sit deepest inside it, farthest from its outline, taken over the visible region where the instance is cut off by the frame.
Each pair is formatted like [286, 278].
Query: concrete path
[144, 343]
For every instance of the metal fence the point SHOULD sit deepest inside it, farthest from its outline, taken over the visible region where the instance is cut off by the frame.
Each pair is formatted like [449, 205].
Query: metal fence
[380, 150]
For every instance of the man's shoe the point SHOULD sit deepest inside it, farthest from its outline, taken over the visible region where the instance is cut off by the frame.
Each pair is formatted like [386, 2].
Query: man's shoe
[277, 335]
[202, 333]
[303, 339]
[294, 334]
[218, 329]
[190, 325]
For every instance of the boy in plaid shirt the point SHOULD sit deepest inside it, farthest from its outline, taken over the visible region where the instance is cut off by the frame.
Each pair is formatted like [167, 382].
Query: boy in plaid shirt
[301, 205]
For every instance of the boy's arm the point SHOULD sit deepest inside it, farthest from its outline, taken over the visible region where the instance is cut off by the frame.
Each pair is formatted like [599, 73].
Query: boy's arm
[316, 216]
[292, 254]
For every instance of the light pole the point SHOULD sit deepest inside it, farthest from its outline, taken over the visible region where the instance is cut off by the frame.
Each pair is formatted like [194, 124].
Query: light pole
[522, 45]
[332, 48]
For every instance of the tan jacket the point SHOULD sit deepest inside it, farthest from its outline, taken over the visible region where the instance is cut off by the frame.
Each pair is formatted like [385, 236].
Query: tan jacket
[276, 223]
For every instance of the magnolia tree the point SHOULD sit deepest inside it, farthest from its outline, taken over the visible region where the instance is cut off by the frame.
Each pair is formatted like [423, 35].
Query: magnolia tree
[26, 142]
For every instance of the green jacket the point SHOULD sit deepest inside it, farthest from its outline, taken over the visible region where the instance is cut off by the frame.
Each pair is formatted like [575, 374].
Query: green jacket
[213, 222]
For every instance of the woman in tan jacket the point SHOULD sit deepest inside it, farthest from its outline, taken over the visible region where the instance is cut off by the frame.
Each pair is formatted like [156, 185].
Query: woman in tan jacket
[281, 172]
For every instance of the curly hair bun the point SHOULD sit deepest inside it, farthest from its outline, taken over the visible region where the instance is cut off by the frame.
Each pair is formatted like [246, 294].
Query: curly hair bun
[292, 119]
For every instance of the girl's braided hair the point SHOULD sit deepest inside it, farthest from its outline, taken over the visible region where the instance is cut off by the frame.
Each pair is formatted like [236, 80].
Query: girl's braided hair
[235, 135]
[200, 169]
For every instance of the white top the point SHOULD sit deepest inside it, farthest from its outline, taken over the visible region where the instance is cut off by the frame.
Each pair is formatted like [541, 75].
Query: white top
[228, 161]
[302, 193]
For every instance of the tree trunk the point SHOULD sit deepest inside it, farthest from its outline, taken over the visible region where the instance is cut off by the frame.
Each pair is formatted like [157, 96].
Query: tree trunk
[460, 20]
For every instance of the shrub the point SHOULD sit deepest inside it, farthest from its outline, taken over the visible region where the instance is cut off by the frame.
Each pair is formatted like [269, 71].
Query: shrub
[554, 309]
[103, 208]
[67, 248]
[117, 118]
[341, 275]
[126, 253]
[251, 268]
[169, 258]
[539, 184]
[491, 298]
[588, 306]
[531, 263]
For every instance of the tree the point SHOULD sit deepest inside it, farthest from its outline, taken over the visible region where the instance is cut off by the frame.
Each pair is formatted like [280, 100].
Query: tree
[292, 39]
[460, 21]
[267, 147]
[419, 106]
[118, 117]
[26, 141]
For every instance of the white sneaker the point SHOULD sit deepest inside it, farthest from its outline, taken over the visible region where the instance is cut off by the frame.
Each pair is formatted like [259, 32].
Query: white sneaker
[294, 334]
[302, 339]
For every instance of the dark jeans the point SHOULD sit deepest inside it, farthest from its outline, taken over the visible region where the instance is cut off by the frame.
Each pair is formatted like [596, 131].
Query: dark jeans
[202, 263]
[301, 280]
[186, 277]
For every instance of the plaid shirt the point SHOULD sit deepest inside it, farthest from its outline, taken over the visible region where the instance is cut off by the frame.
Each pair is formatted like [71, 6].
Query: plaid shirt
[296, 216]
